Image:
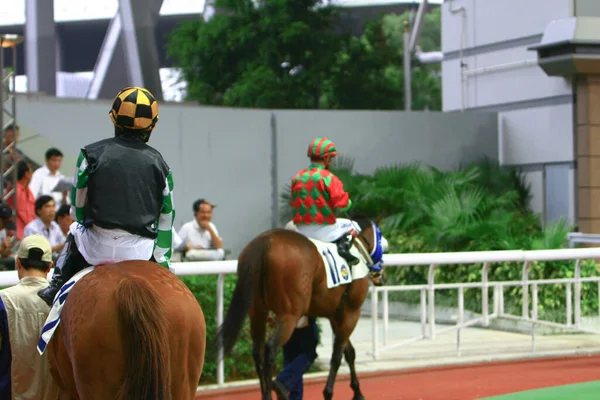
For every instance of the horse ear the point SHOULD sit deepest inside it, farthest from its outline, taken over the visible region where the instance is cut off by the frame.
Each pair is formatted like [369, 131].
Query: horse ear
[378, 219]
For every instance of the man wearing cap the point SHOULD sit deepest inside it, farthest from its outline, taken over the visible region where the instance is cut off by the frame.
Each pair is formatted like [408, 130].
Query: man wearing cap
[24, 374]
[200, 238]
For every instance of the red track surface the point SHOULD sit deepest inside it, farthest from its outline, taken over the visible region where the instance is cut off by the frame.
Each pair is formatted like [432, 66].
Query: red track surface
[465, 382]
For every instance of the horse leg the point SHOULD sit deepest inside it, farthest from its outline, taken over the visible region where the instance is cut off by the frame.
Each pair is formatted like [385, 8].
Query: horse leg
[282, 333]
[343, 325]
[258, 329]
[350, 356]
[334, 365]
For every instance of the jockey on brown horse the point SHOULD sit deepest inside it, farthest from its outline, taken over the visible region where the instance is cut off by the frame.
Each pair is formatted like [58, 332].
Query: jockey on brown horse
[316, 196]
[134, 221]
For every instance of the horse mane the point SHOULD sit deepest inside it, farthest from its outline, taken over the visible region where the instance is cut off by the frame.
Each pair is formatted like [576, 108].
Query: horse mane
[362, 220]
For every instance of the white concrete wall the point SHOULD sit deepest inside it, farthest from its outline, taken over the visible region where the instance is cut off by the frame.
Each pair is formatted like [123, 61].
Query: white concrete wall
[229, 155]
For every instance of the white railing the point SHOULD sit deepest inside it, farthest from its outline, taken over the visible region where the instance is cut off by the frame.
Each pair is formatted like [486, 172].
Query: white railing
[222, 268]
[427, 291]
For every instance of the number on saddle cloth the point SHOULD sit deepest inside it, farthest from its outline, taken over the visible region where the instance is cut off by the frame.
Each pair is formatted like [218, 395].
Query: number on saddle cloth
[336, 268]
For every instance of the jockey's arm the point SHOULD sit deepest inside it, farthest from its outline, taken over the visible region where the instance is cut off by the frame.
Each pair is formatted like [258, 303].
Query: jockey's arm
[339, 197]
[79, 190]
[163, 246]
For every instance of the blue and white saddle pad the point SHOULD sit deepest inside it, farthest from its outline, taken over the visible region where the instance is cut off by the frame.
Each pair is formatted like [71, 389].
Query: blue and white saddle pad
[54, 316]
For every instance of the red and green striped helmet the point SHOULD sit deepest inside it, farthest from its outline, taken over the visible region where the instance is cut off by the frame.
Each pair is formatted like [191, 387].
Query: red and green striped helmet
[321, 148]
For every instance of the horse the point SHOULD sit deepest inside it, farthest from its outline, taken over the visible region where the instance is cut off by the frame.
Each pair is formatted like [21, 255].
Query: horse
[282, 271]
[129, 330]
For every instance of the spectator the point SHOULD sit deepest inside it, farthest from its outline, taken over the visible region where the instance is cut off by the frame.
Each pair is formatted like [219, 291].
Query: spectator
[25, 198]
[7, 228]
[200, 237]
[24, 374]
[64, 219]
[12, 136]
[46, 177]
[45, 225]
[299, 353]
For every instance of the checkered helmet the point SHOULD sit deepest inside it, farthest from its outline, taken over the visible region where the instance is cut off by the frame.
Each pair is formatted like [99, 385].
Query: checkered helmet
[134, 108]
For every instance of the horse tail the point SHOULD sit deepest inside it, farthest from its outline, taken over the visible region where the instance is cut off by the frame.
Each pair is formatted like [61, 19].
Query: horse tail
[144, 329]
[250, 263]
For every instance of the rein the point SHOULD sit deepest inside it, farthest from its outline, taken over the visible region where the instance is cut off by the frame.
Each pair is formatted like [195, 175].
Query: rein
[366, 255]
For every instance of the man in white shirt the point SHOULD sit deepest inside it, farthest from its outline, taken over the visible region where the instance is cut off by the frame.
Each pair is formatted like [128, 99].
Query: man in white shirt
[45, 225]
[24, 374]
[200, 238]
[46, 177]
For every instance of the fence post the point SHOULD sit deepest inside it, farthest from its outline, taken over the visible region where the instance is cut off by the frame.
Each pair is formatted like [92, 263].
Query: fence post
[484, 294]
[374, 297]
[569, 305]
[578, 294]
[431, 289]
[524, 278]
[461, 317]
[220, 301]
[385, 316]
[423, 303]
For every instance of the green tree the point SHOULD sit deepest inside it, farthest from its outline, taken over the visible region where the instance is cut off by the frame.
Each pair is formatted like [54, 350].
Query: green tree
[287, 54]
[247, 57]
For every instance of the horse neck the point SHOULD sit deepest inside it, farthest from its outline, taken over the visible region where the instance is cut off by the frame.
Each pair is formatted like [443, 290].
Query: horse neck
[364, 247]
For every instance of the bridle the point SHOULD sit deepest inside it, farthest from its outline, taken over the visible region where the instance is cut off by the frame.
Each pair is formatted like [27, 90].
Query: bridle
[365, 254]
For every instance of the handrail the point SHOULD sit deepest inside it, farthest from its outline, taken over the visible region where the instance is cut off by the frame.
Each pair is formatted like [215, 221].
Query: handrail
[222, 268]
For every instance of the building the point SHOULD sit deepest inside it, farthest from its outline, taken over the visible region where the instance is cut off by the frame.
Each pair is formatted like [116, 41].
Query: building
[88, 46]
[491, 64]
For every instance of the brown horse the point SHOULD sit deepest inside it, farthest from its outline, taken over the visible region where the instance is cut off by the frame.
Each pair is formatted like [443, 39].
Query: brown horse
[130, 330]
[282, 271]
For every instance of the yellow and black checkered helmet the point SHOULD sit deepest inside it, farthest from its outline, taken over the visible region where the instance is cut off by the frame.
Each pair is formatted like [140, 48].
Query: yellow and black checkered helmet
[134, 108]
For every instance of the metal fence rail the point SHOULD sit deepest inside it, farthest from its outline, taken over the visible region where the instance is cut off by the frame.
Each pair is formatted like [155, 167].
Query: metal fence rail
[433, 260]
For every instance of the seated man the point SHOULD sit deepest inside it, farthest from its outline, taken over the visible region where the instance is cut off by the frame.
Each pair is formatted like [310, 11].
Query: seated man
[64, 219]
[45, 225]
[7, 231]
[200, 238]
[24, 374]
[299, 353]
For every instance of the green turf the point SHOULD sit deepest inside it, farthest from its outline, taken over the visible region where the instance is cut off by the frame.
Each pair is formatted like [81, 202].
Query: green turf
[578, 391]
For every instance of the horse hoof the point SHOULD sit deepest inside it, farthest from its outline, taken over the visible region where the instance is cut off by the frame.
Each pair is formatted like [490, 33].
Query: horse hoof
[358, 396]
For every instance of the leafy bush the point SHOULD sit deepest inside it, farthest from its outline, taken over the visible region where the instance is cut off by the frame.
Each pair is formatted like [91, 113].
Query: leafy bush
[240, 365]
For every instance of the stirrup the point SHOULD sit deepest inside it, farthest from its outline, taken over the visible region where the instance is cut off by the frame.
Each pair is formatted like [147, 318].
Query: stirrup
[48, 294]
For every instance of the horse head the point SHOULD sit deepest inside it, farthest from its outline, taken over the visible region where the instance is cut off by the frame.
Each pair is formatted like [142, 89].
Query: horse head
[374, 242]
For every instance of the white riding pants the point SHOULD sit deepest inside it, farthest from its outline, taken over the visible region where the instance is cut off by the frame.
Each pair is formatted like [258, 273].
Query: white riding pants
[328, 233]
[107, 246]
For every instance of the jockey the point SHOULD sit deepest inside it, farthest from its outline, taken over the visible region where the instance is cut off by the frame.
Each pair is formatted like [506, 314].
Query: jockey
[122, 196]
[316, 195]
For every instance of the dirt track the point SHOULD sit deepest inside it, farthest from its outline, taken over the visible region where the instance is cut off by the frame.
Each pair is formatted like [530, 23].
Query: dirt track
[467, 382]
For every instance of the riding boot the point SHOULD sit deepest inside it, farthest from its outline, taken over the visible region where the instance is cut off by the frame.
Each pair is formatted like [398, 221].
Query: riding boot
[343, 245]
[68, 264]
